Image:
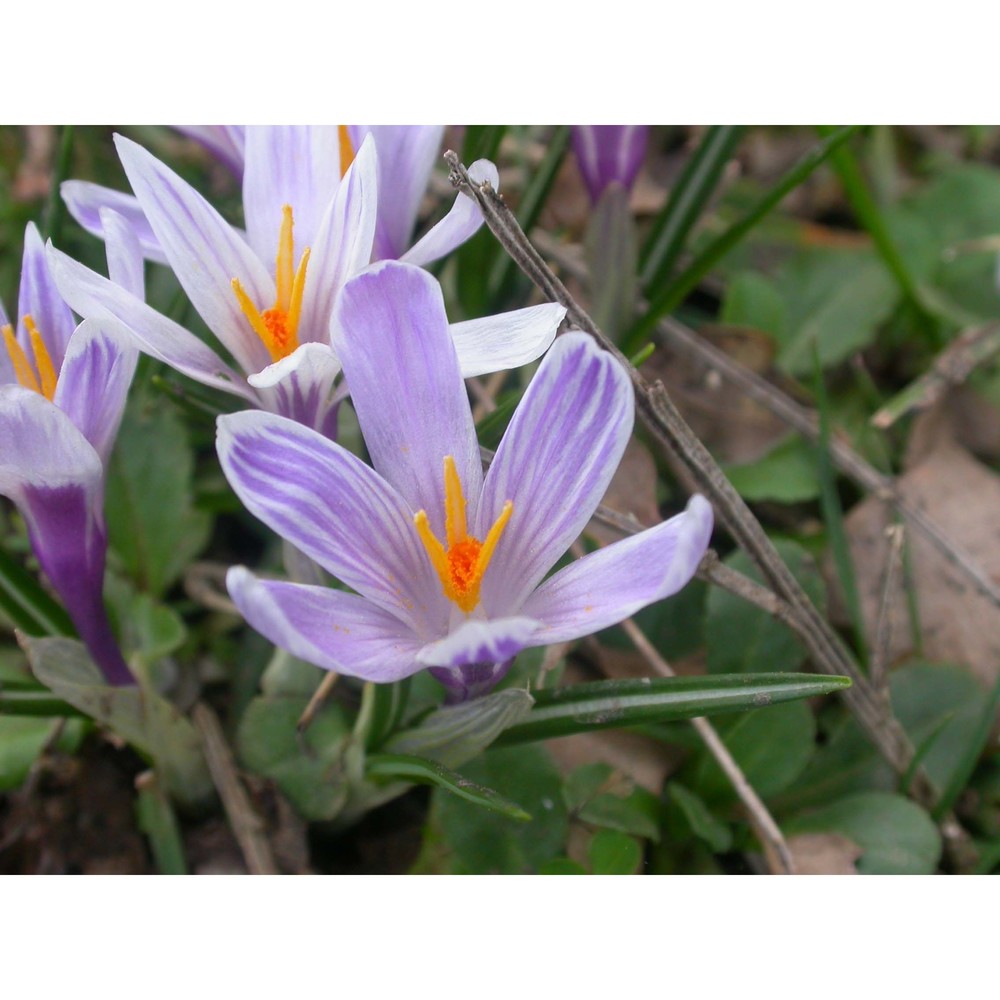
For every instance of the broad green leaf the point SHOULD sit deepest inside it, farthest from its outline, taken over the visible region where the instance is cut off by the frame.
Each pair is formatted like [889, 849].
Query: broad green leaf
[153, 630]
[772, 748]
[22, 740]
[584, 782]
[562, 866]
[837, 299]
[137, 714]
[481, 841]
[897, 836]
[786, 474]
[742, 637]
[582, 708]
[613, 853]
[752, 300]
[402, 767]
[152, 523]
[309, 767]
[699, 818]
[636, 813]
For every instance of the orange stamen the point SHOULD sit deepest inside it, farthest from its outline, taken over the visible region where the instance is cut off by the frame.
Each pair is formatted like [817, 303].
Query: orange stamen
[346, 149]
[461, 566]
[44, 382]
[278, 326]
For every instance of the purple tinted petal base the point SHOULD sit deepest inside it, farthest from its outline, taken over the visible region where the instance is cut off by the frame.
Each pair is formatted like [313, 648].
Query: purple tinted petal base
[473, 681]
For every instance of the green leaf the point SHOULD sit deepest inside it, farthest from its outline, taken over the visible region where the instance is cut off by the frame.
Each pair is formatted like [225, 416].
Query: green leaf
[613, 853]
[898, 837]
[456, 733]
[22, 740]
[837, 299]
[741, 636]
[156, 819]
[137, 714]
[152, 523]
[26, 603]
[583, 708]
[786, 474]
[689, 197]
[636, 813]
[699, 818]
[382, 708]
[401, 767]
[481, 841]
[309, 767]
[753, 300]
[153, 629]
[772, 748]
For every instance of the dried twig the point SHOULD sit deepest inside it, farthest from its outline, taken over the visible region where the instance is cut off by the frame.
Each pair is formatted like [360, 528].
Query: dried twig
[205, 584]
[316, 702]
[243, 820]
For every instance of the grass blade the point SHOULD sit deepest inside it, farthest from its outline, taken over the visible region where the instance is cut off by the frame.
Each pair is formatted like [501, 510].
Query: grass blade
[612, 704]
[677, 290]
[687, 201]
[27, 604]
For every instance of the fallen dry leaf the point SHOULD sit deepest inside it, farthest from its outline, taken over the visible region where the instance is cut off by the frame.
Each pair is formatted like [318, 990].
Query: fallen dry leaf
[824, 854]
[958, 624]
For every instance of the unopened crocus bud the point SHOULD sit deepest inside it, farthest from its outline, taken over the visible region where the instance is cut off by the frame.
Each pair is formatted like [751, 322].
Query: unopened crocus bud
[608, 153]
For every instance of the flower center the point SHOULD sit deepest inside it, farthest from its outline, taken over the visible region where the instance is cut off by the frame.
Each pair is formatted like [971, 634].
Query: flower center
[460, 566]
[278, 326]
[41, 377]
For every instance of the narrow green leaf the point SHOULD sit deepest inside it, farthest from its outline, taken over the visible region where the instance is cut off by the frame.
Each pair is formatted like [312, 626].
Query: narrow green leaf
[401, 767]
[688, 198]
[25, 602]
[700, 819]
[613, 704]
[157, 821]
[482, 142]
[677, 290]
[383, 706]
[533, 198]
[55, 209]
[38, 704]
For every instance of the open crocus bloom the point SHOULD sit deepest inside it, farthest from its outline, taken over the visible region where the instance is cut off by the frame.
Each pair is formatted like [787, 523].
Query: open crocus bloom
[62, 393]
[268, 294]
[448, 567]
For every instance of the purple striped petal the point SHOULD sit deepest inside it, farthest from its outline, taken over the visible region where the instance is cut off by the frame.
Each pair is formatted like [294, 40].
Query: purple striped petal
[85, 201]
[480, 641]
[300, 387]
[329, 628]
[607, 586]
[391, 335]
[204, 251]
[507, 340]
[336, 510]
[555, 462]
[55, 479]
[343, 245]
[224, 142]
[94, 382]
[458, 225]
[608, 153]
[295, 165]
[40, 299]
[124, 253]
[113, 308]
[406, 158]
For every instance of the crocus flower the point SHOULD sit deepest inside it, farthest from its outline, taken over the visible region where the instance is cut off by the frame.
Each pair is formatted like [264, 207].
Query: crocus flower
[447, 567]
[268, 295]
[609, 153]
[62, 392]
[407, 155]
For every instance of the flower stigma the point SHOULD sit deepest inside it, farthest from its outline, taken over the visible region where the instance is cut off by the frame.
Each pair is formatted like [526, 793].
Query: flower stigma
[278, 326]
[42, 377]
[460, 566]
